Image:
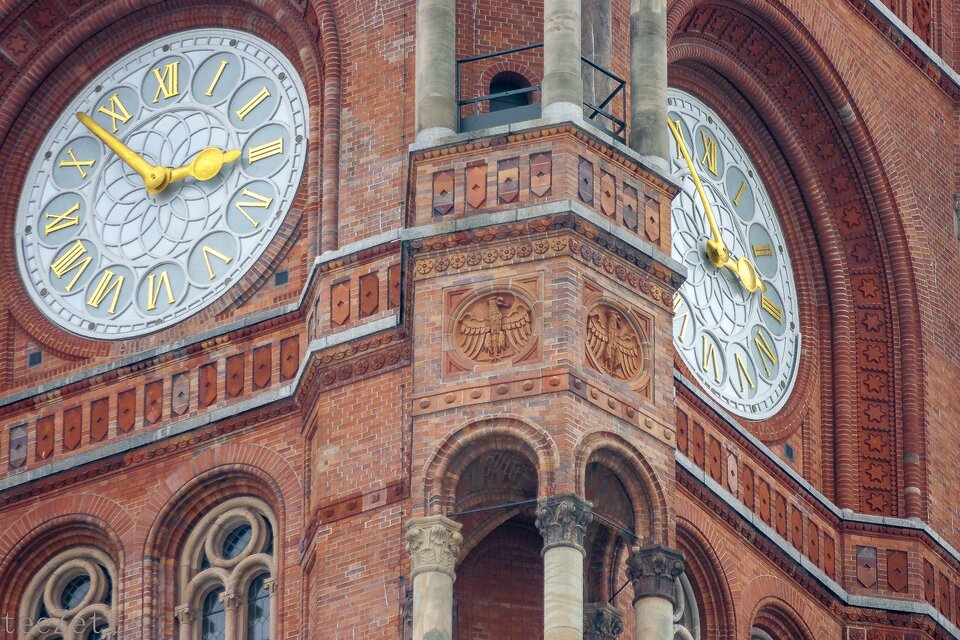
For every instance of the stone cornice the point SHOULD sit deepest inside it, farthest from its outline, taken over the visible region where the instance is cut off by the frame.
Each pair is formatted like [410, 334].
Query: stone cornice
[909, 43]
[845, 520]
[907, 613]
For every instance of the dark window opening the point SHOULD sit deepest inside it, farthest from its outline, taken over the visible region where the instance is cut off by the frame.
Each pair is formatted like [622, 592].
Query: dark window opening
[508, 81]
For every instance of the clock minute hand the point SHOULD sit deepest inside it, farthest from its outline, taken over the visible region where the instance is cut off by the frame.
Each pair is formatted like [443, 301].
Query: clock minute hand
[155, 178]
[716, 249]
[205, 166]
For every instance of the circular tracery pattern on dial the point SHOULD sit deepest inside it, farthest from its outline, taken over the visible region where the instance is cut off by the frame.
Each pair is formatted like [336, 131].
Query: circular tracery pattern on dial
[742, 346]
[101, 257]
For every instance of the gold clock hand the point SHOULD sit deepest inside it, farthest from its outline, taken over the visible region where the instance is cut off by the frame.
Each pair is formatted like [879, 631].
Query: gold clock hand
[747, 273]
[205, 166]
[155, 178]
[716, 249]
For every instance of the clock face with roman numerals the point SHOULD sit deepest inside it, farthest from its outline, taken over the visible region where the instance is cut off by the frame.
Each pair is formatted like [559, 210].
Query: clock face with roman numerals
[150, 206]
[742, 345]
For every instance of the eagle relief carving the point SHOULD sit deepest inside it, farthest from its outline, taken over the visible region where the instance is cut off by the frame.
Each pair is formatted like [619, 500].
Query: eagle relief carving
[612, 343]
[495, 327]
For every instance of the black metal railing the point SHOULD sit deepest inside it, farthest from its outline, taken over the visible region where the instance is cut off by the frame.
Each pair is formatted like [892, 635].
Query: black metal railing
[600, 113]
[616, 126]
[494, 118]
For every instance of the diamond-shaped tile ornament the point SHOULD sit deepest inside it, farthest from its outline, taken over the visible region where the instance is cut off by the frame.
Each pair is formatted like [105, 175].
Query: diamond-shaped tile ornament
[508, 180]
[340, 303]
[477, 186]
[608, 194]
[443, 192]
[541, 173]
[585, 181]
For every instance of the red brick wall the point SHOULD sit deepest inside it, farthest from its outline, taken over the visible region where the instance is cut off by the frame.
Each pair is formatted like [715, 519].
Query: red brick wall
[499, 587]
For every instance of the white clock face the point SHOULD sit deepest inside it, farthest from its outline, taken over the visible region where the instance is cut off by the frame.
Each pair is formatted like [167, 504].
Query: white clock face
[101, 255]
[742, 346]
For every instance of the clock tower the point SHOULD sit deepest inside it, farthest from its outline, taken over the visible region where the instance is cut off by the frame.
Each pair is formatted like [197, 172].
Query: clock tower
[437, 319]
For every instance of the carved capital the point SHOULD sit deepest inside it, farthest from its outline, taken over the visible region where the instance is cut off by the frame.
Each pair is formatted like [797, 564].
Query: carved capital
[601, 621]
[563, 519]
[653, 571]
[184, 614]
[433, 543]
[271, 586]
[229, 600]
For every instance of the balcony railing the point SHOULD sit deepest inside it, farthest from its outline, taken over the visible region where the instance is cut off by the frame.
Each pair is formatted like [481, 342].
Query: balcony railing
[475, 113]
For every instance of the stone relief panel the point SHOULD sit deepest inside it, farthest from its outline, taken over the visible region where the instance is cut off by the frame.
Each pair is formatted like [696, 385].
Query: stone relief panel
[492, 326]
[617, 340]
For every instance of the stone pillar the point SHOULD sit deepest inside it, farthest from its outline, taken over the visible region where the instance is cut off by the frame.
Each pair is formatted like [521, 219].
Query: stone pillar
[185, 617]
[595, 46]
[231, 605]
[433, 543]
[653, 571]
[562, 521]
[562, 82]
[436, 69]
[648, 80]
[602, 621]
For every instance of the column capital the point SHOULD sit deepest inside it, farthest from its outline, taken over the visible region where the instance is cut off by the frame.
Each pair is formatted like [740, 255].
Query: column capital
[184, 613]
[601, 621]
[562, 520]
[653, 570]
[433, 543]
[230, 600]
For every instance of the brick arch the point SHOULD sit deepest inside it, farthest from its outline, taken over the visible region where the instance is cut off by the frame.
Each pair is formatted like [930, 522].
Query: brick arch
[780, 621]
[192, 488]
[770, 597]
[45, 534]
[777, 65]
[48, 77]
[717, 613]
[476, 439]
[638, 477]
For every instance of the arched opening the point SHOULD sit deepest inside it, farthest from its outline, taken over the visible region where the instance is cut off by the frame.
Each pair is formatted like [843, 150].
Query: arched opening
[507, 87]
[499, 588]
[608, 596]
[775, 622]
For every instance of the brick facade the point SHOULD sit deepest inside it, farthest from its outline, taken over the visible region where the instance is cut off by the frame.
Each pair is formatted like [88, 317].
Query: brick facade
[346, 400]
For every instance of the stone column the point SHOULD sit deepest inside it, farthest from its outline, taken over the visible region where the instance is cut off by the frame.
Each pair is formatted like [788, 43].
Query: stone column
[562, 521]
[433, 543]
[562, 82]
[185, 617]
[231, 605]
[436, 69]
[648, 80]
[602, 621]
[653, 571]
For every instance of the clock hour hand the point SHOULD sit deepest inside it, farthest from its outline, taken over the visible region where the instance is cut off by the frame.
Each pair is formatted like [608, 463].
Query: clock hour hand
[155, 178]
[747, 273]
[205, 166]
[716, 249]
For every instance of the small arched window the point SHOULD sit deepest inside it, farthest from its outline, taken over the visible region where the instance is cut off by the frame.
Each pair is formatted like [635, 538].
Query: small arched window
[213, 616]
[73, 594]
[508, 81]
[258, 609]
[227, 574]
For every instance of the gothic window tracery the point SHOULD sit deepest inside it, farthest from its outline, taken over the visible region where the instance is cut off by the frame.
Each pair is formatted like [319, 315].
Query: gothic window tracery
[71, 598]
[227, 574]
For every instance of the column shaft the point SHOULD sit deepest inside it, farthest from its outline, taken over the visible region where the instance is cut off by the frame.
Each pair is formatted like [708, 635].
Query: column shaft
[562, 521]
[562, 594]
[648, 79]
[653, 619]
[562, 82]
[436, 69]
[433, 543]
